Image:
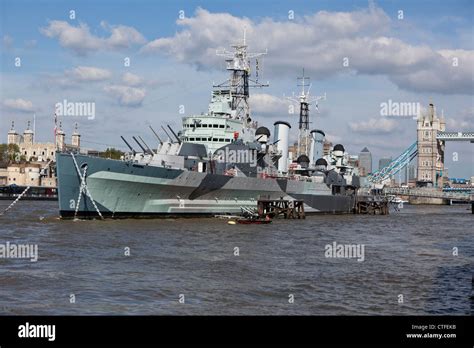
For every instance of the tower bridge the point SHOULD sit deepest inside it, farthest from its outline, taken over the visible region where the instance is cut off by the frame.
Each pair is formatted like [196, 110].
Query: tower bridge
[456, 136]
[429, 150]
[465, 196]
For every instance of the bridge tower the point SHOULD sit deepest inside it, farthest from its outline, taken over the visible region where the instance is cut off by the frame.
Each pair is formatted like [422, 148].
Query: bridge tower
[430, 149]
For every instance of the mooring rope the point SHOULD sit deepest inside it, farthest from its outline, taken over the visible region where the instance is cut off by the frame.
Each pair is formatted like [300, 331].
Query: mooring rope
[15, 201]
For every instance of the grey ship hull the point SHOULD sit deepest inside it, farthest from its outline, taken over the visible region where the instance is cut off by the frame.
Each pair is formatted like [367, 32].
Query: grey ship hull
[124, 189]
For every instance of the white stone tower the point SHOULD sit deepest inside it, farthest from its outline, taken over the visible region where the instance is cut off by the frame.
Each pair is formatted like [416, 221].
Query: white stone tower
[28, 135]
[60, 138]
[76, 138]
[430, 149]
[13, 137]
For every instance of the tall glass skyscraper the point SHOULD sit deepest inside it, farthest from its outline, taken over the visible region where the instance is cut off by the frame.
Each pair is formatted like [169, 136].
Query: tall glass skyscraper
[365, 162]
[383, 162]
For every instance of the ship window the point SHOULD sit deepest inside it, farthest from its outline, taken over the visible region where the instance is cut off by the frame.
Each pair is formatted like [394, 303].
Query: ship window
[215, 125]
[192, 139]
[198, 125]
[209, 139]
[227, 140]
[221, 126]
[204, 125]
[215, 139]
[221, 140]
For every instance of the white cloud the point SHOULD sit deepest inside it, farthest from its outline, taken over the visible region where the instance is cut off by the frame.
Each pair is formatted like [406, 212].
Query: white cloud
[19, 104]
[464, 121]
[320, 42]
[125, 95]
[268, 104]
[81, 41]
[374, 126]
[88, 74]
[122, 36]
[132, 80]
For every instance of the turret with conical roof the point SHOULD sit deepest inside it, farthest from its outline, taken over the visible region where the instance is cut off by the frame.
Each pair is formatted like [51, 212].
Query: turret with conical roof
[60, 138]
[28, 135]
[76, 137]
[13, 137]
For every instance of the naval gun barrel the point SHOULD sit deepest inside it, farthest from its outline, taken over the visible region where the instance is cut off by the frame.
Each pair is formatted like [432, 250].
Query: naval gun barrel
[167, 134]
[172, 131]
[143, 141]
[156, 135]
[141, 146]
[128, 145]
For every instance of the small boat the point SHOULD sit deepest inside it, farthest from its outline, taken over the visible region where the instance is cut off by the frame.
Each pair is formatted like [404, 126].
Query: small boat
[396, 200]
[254, 221]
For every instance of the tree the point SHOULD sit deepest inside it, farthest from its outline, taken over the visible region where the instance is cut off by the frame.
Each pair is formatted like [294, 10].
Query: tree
[3, 152]
[9, 153]
[111, 153]
[13, 152]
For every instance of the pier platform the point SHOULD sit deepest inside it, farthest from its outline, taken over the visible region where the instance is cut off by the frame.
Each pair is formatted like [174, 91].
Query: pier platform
[288, 209]
[371, 205]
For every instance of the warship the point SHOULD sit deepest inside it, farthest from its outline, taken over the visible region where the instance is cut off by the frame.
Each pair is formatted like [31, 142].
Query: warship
[219, 163]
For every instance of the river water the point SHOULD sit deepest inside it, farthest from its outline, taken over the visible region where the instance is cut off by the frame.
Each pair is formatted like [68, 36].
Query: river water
[416, 261]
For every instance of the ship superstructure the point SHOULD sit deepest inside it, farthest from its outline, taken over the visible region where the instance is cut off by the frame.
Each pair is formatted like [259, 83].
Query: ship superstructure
[228, 117]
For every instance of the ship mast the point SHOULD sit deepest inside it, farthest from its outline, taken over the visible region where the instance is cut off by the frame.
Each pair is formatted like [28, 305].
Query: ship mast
[304, 100]
[238, 63]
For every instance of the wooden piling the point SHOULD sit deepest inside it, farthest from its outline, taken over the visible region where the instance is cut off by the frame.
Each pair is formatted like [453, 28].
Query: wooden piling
[371, 205]
[288, 209]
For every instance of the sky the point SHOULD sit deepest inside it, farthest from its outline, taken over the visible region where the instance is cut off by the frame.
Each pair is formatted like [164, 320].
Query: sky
[361, 54]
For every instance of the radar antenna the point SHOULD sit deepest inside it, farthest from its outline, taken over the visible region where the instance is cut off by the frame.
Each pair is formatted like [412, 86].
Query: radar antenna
[305, 100]
[238, 63]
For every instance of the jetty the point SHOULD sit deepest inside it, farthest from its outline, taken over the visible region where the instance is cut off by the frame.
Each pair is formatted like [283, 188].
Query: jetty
[288, 209]
[372, 205]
